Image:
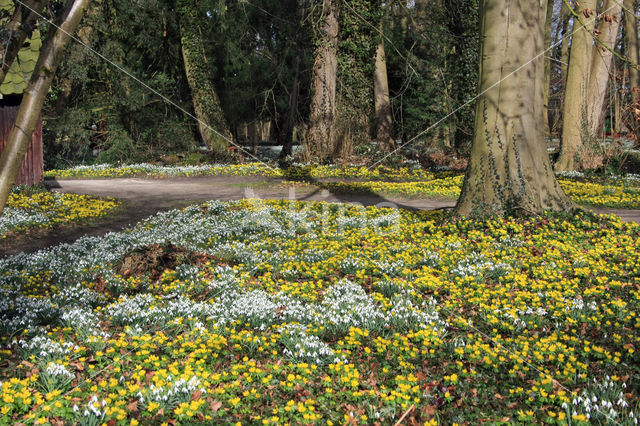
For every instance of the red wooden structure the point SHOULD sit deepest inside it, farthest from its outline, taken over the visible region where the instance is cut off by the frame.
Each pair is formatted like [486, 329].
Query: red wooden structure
[32, 169]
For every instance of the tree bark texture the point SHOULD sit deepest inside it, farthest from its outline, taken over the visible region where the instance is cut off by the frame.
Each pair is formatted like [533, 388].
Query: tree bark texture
[567, 27]
[574, 126]
[631, 35]
[608, 26]
[21, 24]
[321, 135]
[34, 96]
[384, 118]
[510, 171]
[206, 104]
[547, 64]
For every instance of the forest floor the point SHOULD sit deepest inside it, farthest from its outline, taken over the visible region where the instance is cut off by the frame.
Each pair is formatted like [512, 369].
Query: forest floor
[144, 197]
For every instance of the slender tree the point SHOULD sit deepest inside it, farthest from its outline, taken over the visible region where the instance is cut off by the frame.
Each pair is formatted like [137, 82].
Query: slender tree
[321, 134]
[631, 36]
[608, 25]
[565, 34]
[575, 98]
[510, 171]
[34, 96]
[294, 94]
[547, 64]
[206, 105]
[384, 118]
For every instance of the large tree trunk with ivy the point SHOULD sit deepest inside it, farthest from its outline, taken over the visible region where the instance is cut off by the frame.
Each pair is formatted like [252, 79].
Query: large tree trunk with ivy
[34, 97]
[18, 29]
[609, 23]
[574, 127]
[320, 138]
[384, 118]
[212, 124]
[359, 20]
[509, 171]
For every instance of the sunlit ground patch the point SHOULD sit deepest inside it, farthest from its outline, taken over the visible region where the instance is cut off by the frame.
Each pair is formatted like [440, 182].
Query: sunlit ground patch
[29, 210]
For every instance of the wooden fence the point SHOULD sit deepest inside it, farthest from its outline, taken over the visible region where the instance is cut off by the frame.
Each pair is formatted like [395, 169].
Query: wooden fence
[32, 169]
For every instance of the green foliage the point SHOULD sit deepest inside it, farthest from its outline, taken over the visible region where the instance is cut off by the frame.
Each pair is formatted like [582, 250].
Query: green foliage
[120, 148]
[250, 51]
[142, 38]
[253, 47]
[432, 62]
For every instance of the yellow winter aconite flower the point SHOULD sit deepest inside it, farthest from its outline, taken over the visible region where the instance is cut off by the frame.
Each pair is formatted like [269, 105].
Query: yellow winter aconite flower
[43, 209]
[366, 315]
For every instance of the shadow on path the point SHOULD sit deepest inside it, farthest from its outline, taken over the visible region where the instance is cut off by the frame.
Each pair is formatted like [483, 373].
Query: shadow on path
[145, 197]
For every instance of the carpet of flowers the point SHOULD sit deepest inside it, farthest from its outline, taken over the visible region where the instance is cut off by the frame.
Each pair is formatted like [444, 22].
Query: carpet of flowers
[408, 181]
[615, 195]
[317, 313]
[297, 171]
[28, 210]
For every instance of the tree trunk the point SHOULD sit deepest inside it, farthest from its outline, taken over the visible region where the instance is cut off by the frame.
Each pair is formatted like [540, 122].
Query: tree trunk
[510, 171]
[294, 95]
[287, 145]
[34, 96]
[22, 22]
[547, 65]
[321, 134]
[212, 124]
[566, 42]
[631, 35]
[601, 65]
[384, 118]
[574, 124]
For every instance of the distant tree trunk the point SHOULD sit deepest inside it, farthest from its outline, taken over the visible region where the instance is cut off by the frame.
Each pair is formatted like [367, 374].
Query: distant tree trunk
[34, 96]
[206, 104]
[510, 171]
[294, 95]
[547, 65]
[384, 117]
[575, 101]
[321, 134]
[287, 146]
[631, 35]
[566, 42]
[601, 65]
[21, 24]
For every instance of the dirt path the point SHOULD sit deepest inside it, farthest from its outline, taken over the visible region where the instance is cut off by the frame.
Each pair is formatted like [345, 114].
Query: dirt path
[145, 197]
